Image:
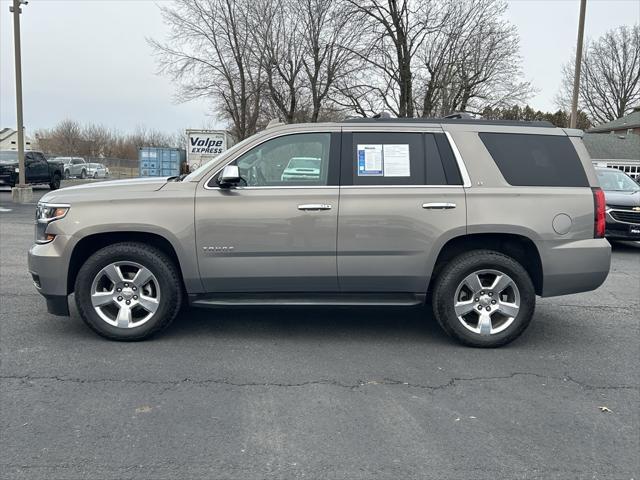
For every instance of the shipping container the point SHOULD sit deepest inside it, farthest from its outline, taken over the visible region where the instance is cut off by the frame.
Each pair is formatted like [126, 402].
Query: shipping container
[160, 162]
[203, 145]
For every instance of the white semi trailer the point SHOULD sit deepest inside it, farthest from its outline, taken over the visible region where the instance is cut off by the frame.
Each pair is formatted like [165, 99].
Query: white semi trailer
[203, 145]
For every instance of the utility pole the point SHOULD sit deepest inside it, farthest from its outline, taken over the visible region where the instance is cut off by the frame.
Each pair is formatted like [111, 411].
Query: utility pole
[21, 193]
[576, 78]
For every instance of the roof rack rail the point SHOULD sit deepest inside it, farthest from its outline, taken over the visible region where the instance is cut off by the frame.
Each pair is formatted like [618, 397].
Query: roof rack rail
[453, 121]
[461, 115]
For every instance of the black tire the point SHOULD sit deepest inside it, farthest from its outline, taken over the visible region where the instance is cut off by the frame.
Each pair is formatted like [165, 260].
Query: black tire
[95, 175]
[55, 182]
[162, 267]
[83, 174]
[67, 174]
[453, 274]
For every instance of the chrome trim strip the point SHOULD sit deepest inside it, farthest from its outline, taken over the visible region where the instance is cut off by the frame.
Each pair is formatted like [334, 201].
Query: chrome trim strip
[314, 206]
[280, 187]
[466, 180]
[350, 187]
[55, 205]
[438, 205]
[326, 187]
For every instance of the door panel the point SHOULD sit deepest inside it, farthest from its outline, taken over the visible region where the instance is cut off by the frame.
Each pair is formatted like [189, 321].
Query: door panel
[256, 239]
[36, 169]
[386, 237]
[391, 224]
[275, 231]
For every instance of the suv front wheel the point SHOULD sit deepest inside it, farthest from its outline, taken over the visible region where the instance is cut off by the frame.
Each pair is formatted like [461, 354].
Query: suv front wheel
[128, 291]
[484, 298]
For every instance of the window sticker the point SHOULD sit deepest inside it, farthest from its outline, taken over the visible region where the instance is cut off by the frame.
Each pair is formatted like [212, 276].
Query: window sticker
[370, 160]
[396, 160]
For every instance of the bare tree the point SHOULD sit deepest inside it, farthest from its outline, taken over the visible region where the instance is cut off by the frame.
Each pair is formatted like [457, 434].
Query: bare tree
[330, 38]
[308, 60]
[397, 30]
[71, 138]
[471, 62]
[276, 43]
[64, 137]
[610, 81]
[210, 52]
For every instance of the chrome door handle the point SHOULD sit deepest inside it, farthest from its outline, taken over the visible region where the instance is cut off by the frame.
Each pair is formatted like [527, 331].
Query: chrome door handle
[438, 206]
[314, 206]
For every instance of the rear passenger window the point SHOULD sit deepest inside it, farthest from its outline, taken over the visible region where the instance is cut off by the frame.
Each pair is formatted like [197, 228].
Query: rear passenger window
[536, 160]
[383, 158]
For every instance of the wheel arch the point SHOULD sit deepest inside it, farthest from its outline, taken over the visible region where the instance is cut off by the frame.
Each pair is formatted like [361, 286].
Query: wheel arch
[519, 247]
[89, 244]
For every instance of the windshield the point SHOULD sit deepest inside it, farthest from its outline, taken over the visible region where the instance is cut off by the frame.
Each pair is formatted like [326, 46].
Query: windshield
[616, 181]
[304, 162]
[8, 157]
[206, 166]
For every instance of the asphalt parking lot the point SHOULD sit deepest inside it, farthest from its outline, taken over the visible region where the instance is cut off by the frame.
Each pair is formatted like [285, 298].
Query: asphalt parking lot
[318, 393]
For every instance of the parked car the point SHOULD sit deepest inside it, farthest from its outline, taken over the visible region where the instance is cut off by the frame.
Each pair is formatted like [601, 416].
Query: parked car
[473, 217]
[304, 168]
[73, 166]
[96, 170]
[622, 197]
[37, 169]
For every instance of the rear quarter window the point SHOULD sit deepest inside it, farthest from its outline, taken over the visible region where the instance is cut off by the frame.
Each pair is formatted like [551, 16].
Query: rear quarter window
[536, 160]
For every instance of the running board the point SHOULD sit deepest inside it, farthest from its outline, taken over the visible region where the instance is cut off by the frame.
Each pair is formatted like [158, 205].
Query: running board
[316, 299]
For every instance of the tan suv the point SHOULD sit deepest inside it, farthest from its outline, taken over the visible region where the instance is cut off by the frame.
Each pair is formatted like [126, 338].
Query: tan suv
[474, 217]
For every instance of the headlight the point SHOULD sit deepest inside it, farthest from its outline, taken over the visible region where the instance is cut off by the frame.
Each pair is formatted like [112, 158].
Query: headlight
[16, 170]
[45, 214]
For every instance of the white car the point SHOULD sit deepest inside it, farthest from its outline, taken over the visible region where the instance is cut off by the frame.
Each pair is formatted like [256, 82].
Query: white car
[303, 168]
[73, 166]
[97, 170]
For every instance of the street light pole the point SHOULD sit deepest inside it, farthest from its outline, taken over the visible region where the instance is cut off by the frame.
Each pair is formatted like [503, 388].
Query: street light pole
[21, 193]
[576, 77]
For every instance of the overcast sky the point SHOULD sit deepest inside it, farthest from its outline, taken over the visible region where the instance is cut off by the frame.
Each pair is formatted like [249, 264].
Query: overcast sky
[89, 60]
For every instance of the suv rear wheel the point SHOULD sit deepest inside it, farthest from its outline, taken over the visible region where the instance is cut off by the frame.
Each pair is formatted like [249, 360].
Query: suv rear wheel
[128, 291]
[484, 298]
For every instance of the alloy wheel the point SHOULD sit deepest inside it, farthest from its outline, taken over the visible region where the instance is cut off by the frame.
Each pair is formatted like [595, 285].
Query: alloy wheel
[125, 294]
[487, 302]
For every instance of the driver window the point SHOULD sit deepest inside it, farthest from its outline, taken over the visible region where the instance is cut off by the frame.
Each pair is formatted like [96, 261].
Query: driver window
[292, 160]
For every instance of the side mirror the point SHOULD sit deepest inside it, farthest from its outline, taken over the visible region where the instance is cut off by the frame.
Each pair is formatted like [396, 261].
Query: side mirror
[230, 176]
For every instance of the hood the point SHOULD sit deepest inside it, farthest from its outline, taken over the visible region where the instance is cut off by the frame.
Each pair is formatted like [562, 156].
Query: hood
[622, 199]
[113, 189]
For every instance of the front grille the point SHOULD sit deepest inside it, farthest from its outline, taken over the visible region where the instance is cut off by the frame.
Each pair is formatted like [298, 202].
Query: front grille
[626, 216]
[622, 207]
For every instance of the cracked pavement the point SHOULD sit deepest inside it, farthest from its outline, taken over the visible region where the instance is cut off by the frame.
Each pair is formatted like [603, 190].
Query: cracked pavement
[318, 393]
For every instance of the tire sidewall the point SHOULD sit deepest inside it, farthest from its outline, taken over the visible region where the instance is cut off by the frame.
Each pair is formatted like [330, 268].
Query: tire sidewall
[158, 263]
[55, 183]
[467, 264]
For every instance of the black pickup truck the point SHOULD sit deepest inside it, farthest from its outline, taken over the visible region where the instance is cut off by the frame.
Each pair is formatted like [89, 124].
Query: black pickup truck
[37, 169]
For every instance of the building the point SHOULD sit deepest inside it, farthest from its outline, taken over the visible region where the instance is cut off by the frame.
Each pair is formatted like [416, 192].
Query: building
[622, 126]
[617, 144]
[9, 140]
